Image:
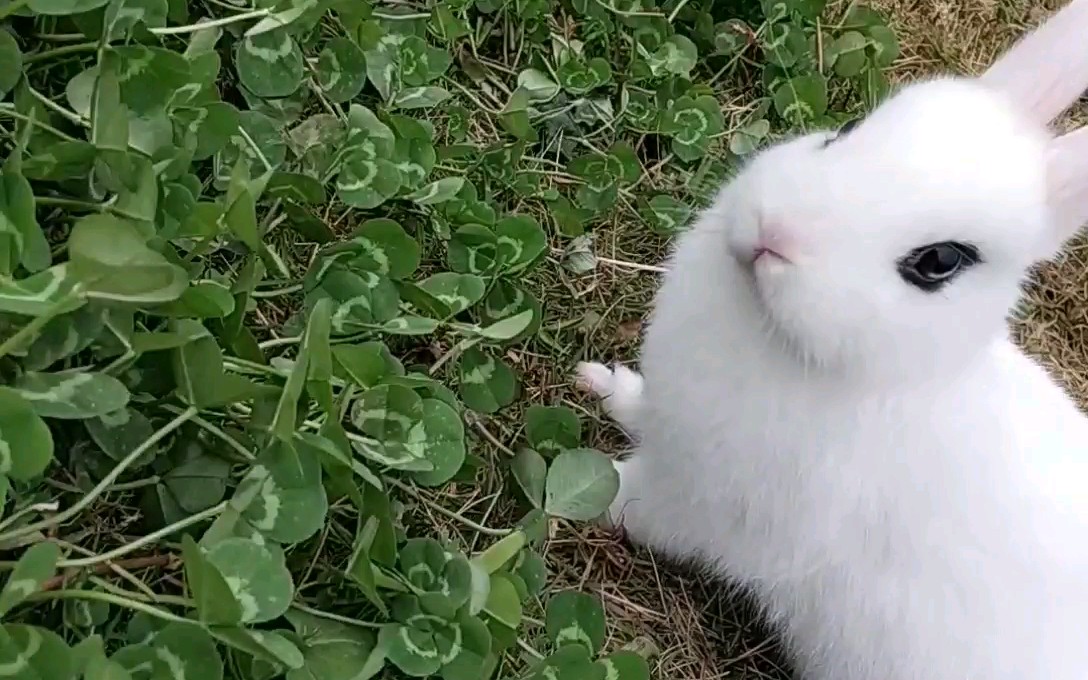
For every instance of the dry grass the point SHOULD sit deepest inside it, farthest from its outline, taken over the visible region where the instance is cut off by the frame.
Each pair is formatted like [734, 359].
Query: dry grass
[698, 630]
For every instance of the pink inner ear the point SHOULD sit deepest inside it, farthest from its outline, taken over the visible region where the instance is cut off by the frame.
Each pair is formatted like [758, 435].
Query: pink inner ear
[1067, 182]
[1047, 70]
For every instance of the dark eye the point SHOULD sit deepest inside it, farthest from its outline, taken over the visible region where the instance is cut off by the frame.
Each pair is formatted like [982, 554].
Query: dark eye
[846, 127]
[931, 267]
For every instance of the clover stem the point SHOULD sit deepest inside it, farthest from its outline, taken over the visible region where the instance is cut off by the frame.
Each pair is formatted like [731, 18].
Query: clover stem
[335, 617]
[276, 292]
[280, 342]
[145, 540]
[7, 110]
[60, 51]
[72, 203]
[218, 433]
[109, 598]
[475, 526]
[676, 10]
[26, 332]
[72, 116]
[225, 21]
[106, 482]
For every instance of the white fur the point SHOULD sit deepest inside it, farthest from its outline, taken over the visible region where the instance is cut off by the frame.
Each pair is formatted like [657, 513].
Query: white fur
[620, 390]
[904, 492]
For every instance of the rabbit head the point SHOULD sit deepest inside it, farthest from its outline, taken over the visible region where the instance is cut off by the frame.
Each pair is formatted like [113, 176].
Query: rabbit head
[901, 240]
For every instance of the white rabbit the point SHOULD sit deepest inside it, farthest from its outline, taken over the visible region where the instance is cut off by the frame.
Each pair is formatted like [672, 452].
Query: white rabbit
[831, 413]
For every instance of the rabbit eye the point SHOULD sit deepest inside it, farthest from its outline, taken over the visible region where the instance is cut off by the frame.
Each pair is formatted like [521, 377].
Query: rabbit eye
[842, 131]
[931, 267]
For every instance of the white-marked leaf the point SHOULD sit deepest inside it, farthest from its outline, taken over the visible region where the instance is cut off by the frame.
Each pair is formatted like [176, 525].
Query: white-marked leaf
[581, 485]
[367, 182]
[388, 412]
[341, 70]
[476, 650]
[420, 97]
[26, 444]
[215, 601]
[381, 246]
[438, 191]
[282, 19]
[802, 98]
[40, 293]
[665, 214]
[691, 122]
[257, 577]
[676, 56]
[423, 643]
[268, 645]
[410, 325]
[625, 665]
[64, 336]
[33, 653]
[72, 395]
[487, 384]
[333, 651]
[443, 580]
[457, 292]
[509, 327]
[21, 239]
[444, 443]
[572, 617]
[551, 429]
[521, 242]
[569, 661]
[35, 567]
[270, 64]
[291, 504]
[110, 257]
[473, 249]
[123, 15]
[539, 85]
[184, 651]
[745, 140]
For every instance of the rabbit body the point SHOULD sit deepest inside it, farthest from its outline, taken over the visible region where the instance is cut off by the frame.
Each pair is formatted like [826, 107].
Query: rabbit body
[931, 532]
[901, 489]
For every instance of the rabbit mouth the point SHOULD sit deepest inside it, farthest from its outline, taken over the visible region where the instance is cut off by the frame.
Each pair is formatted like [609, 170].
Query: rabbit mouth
[765, 254]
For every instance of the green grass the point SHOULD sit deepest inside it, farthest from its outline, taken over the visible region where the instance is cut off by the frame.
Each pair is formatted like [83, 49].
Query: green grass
[290, 296]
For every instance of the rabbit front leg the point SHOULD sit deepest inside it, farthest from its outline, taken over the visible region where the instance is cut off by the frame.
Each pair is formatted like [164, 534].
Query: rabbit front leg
[619, 388]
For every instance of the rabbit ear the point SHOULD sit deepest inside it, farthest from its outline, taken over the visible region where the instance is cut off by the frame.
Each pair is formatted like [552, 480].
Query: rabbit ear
[1067, 182]
[1046, 70]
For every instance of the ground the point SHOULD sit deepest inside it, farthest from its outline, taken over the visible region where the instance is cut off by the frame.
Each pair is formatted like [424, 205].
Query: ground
[698, 631]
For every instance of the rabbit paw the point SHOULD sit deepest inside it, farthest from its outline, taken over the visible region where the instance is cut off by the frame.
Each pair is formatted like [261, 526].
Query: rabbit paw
[620, 390]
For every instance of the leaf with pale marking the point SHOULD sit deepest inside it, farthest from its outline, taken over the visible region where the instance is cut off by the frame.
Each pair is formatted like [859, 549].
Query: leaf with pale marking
[26, 444]
[72, 395]
[110, 257]
[270, 64]
[572, 617]
[257, 577]
[35, 567]
[487, 383]
[551, 429]
[34, 653]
